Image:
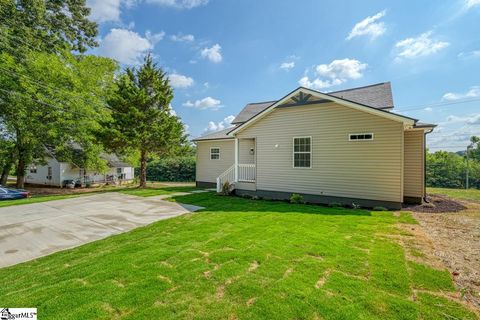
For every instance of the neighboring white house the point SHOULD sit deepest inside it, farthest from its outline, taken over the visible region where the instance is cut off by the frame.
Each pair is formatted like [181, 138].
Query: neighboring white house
[55, 172]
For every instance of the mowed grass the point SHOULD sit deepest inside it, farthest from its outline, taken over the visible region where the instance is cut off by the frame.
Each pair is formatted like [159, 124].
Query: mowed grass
[239, 259]
[37, 199]
[151, 190]
[465, 194]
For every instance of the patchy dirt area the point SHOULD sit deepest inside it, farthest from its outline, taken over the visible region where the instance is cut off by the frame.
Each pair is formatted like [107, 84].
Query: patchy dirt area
[437, 204]
[454, 239]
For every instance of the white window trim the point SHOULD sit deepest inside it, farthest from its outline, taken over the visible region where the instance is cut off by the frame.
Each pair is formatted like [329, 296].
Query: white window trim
[293, 152]
[354, 134]
[211, 153]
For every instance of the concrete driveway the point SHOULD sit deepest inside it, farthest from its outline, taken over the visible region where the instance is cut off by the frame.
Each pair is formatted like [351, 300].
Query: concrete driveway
[34, 230]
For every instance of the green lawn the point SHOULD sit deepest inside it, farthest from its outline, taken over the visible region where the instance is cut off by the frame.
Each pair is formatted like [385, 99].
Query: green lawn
[152, 190]
[36, 199]
[239, 259]
[470, 194]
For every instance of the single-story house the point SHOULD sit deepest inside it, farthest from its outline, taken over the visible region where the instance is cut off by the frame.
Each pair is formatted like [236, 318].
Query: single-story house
[56, 171]
[345, 147]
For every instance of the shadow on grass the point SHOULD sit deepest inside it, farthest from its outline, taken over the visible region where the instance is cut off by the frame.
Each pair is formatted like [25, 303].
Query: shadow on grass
[213, 202]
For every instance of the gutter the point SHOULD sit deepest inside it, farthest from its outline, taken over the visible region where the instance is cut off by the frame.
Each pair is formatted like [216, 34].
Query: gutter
[425, 165]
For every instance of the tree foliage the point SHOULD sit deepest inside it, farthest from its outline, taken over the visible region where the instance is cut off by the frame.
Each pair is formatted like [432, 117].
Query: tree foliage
[142, 121]
[448, 170]
[172, 169]
[51, 97]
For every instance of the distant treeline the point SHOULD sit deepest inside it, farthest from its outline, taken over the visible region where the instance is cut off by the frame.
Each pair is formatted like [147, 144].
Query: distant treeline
[449, 170]
[172, 169]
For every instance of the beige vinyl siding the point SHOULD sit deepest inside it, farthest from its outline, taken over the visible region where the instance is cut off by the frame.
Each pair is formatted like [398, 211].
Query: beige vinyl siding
[414, 162]
[244, 146]
[356, 169]
[208, 170]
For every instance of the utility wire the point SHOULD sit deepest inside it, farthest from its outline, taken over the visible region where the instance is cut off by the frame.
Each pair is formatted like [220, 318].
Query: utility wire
[10, 92]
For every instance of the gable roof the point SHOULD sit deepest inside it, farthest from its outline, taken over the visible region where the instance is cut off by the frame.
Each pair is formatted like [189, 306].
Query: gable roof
[218, 135]
[326, 97]
[377, 95]
[250, 110]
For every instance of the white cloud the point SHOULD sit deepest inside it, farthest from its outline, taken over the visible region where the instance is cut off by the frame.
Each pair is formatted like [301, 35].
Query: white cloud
[369, 26]
[334, 73]
[423, 45]
[182, 37]
[213, 54]
[126, 46]
[429, 109]
[107, 10]
[472, 93]
[472, 3]
[469, 54]
[154, 37]
[180, 81]
[180, 4]
[104, 10]
[207, 103]
[287, 65]
[216, 126]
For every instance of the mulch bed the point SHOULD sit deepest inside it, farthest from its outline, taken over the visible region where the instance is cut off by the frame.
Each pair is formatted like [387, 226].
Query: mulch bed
[437, 204]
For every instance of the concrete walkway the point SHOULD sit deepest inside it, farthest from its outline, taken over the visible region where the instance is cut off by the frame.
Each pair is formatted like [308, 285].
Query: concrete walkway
[34, 230]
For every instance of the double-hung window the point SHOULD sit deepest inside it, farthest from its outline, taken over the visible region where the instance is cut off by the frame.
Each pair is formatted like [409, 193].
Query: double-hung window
[214, 153]
[302, 152]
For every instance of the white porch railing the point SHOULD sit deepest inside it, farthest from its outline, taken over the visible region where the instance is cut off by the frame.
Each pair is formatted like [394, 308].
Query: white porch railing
[227, 175]
[246, 172]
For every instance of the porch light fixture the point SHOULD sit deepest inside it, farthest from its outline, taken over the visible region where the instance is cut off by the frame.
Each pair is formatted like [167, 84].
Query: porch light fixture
[252, 151]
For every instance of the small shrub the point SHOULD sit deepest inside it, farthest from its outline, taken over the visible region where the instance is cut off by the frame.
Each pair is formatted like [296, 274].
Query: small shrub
[296, 198]
[355, 206]
[334, 204]
[226, 188]
[380, 209]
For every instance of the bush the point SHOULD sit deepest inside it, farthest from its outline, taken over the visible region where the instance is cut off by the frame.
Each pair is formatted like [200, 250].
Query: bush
[296, 198]
[334, 205]
[226, 188]
[380, 209]
[172, 169]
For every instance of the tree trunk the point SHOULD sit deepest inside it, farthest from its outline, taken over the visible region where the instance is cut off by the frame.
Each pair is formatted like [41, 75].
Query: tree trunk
[21, 165]
[143, 169]
[5, 172]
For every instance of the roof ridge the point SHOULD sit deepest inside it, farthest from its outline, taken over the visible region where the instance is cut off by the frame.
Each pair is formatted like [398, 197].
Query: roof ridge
[261, 102]
[356, 88]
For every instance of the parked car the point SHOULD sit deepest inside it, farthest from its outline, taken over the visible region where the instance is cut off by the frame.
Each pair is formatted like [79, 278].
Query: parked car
[69, 184]
[12, 194]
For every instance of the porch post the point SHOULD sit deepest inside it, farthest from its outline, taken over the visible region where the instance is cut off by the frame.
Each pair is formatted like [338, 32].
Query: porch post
[236, 159]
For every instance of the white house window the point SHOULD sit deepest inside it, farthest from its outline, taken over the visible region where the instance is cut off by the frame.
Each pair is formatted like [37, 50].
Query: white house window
[302, 152]
[49, 173]
[360, 136]
[214, 153]
[33, 169]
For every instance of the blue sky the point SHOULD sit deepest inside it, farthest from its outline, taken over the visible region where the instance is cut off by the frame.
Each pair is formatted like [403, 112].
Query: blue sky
[223, 54]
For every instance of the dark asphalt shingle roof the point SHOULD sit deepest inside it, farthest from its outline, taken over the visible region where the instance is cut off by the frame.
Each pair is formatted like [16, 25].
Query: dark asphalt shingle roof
[222, 134]
[250, 110]
[376, 95]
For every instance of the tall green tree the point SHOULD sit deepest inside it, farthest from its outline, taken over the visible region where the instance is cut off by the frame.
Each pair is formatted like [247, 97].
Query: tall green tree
[50, 99]
[53, 104]
[142, 121]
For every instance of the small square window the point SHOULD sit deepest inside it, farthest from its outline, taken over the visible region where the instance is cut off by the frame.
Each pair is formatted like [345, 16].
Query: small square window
[214, 153]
